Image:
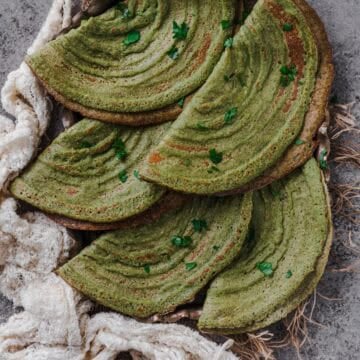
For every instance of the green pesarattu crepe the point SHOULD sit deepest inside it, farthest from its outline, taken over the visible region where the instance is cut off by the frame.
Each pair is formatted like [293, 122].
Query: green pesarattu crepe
[255, 119]
[282, 261]
[88, 177]
[132, 64]
[154, 268]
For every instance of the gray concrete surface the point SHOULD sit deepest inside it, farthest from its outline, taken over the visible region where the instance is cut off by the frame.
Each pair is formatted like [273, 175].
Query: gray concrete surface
[338, 338]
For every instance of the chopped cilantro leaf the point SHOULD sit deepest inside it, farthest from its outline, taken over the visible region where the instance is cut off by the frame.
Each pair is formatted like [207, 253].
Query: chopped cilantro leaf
[132, 37]
[180, 31]
[287, 27]
[299, 142]
[199, 225]
[120, 149]
[289, 274]
[191, 266]
[323, 162]
[181, 241]
[215, 157]
[123, 176]
[181, 102]
[173, 53]
[229, 42]
[226, 24]
[265, 268]
[287, 75]
[136, 174]
[216, 247]
[230, 115]
[85, 144]
[147, 269]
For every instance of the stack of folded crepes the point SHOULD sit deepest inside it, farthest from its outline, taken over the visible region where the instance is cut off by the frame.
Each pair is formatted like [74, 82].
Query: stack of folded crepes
[196, 151]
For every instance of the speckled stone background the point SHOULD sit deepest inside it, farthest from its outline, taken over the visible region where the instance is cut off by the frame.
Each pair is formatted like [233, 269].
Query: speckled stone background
[338, 337]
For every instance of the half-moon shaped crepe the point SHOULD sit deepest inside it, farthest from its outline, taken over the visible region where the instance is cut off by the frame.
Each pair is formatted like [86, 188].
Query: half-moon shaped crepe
[282, 261]
[90, 175]
[135, 62]
[255, 118]
[154, 268]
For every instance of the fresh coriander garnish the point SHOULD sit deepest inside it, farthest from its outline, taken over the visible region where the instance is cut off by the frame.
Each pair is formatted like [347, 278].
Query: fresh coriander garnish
[136, 174]
[147, 269]
[265, 268]
[213, 169]
[199, 225]
[120, 149]
[180, 31]
[85, 144]
[181, 241]
[173, 53]
[132, 37]
[287, 75]
[323, 162]
[299, 142]
[216, 247]
[123, 176]
[201, 126]
[226, 24]
[181, 102]
[215, 157]
[230, 115]
[288, 27]
[191, 266]
[228, 43]
[289, 274]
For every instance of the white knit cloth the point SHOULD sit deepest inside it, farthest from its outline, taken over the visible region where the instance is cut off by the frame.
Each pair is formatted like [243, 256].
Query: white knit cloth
[55, 323]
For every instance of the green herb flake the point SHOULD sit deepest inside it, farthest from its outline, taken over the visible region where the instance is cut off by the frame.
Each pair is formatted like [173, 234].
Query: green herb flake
[173, 53]
[181, 102]
[147, 269]
[265, 268]
[230, 115]
[199, 225]
[288, 27]
[180, 32]
[228, 43]
[85, 144]
[123, 176]
[287, 75]
[181, 241]
[191, 266]
[215, 157]
[213, 169]
[299, 142]
[216, 247]
[132, 37]
[136, 174]
[289, 274]
[323, 162]
[226, 24]
[120, 149]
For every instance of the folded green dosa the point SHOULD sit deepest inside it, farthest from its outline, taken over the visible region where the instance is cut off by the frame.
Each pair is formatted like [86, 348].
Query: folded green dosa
[90, 173]
[282, 261]
[132, 64]
[257, 114]
[154, 268]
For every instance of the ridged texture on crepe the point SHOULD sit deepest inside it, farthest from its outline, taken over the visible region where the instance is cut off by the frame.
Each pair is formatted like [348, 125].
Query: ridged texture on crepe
[140, 272]
[269, 116]
[77, 176]
[92, 71]
[292, 231]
